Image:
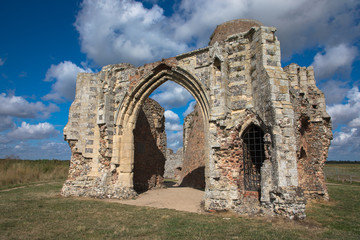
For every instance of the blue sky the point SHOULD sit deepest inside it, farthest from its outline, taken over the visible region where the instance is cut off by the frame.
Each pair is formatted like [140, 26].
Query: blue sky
[44, 44]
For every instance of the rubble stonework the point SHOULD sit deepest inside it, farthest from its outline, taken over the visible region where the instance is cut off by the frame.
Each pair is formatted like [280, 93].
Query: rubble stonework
[266, 130]
[193, 167]
[150, 147]
[173, 164]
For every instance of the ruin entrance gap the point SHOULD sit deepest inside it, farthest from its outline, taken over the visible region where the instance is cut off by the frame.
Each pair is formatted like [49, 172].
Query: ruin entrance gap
[150, 146]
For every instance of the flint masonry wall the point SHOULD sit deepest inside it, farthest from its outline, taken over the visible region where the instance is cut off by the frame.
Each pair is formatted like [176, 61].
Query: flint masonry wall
[193, 167]
[313, 130]
[239, 84]
[173, 164]
[150, 147]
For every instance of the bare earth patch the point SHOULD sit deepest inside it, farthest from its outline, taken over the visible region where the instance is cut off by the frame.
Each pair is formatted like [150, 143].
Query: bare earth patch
[179, 198]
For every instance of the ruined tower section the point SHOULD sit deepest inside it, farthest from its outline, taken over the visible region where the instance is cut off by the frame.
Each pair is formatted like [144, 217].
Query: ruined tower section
[265, 129]
[312, 128]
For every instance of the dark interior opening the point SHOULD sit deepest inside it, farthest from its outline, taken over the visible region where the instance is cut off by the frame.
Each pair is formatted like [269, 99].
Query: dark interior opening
[254, 156]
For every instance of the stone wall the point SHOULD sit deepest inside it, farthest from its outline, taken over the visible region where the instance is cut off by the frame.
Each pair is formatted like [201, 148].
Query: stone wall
[193, 168]
[173, 164]
[313, 130]
[223, 31]
[150, 147]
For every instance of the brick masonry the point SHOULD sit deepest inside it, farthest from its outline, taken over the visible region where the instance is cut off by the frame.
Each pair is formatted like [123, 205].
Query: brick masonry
[193, 167]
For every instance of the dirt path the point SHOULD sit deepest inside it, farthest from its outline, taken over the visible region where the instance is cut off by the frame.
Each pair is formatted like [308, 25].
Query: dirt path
[179, 198]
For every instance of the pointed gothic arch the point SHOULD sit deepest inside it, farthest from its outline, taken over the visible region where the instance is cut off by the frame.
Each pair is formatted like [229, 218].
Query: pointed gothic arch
[126, 117]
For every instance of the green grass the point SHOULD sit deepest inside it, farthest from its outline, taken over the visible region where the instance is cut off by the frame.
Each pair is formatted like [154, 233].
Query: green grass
[342, 172]
[15, 172]
[39, 212]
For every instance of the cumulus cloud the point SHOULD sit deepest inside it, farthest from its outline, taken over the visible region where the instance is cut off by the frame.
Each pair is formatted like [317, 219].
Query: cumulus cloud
[171, 116]
[346, 144]
[114, 31]
[36, 150]
[342, 138]
[64, 74]
[346, 117]
[16, 106]
[175, 140]
[173, 126]
[171, 95]
[335, 91]
[57, 150]
[28, 131]
[190, 108]
[172, 121]
[343, 114]
[337, 58]
[6, 122]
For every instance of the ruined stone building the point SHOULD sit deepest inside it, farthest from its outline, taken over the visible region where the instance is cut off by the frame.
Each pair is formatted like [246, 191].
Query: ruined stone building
[263, 129]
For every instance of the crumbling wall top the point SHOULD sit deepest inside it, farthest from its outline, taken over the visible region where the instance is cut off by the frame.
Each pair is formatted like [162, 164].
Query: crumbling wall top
[226, 29]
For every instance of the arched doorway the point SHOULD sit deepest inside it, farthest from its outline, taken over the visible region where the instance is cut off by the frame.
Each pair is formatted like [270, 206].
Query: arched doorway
[127, 116]
[253, 157]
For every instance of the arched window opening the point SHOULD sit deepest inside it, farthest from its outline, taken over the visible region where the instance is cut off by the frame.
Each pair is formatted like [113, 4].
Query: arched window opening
[254, 156]
[217, 64]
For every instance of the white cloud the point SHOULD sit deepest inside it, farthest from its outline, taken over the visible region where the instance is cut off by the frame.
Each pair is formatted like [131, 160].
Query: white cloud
[343, 114]
[173, 126]
[28, 131]
[346, 145]
[114, 31]
[6, 122]
[2, 61]
[64, 74]
[171, 116]
[4, 140]
[342, 138]
[355, 122]
[36, 150]
[171, 95]
[346, 141]
[15, 106]
[175, 140]
[190, 108]
[337, 58]
[335, 91]
[172, 121]
[56, 150]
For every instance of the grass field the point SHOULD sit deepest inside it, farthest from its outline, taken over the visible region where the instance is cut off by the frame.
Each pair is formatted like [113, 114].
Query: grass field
[342, 172]
[15, 172]
[37, 211]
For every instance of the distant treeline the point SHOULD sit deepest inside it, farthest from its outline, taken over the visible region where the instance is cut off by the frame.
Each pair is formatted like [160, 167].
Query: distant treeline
[341, 162]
